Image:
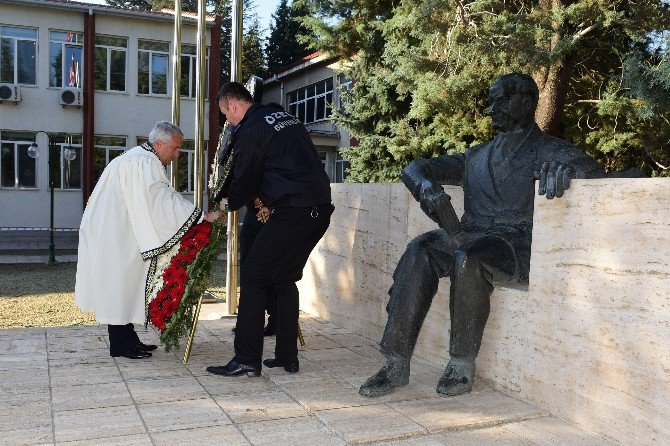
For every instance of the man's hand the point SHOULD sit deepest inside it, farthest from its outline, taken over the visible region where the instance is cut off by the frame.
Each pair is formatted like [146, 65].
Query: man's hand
[430, 195]
[213, 216]
[554, 178]
[263, 214]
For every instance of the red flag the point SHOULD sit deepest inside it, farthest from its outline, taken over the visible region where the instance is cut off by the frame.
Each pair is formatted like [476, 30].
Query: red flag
[71, 74]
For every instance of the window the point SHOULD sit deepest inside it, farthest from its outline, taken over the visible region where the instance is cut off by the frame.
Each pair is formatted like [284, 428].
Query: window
[17, 169]
[189, 61]
[18, 55]
[152, 67]
[345, 83]
[106, 148]
[69, 170]
[341, 168]
[65, 59]
[110, 63]
[186, 167]
[312, 103]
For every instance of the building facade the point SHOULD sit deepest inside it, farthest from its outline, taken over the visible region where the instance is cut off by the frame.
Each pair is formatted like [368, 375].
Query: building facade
[309, 89]
[94, 80]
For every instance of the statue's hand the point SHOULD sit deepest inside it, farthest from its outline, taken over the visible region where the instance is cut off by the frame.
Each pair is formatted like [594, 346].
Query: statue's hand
[554, 177]
[429, 196]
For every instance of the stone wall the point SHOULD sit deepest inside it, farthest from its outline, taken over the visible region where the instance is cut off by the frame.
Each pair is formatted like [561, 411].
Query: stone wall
[587, 339]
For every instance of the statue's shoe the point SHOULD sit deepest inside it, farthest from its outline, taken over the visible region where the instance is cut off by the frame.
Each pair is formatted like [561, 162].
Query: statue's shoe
[457, 378]
[394, 374]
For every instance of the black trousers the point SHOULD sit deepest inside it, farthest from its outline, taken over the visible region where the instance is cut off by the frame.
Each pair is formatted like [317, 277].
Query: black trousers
[250, 229]
[274, 262]
[122, 338]
[474, 263]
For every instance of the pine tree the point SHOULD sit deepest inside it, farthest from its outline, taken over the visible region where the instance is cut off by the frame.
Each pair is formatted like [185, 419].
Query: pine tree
[253, 58]
[422, 69]
[131, 4]
[287, 40]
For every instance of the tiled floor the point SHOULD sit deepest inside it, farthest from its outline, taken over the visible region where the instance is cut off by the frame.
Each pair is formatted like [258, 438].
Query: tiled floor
[60, 386]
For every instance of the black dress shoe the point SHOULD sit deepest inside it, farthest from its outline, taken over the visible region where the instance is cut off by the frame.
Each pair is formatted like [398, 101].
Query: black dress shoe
[291, 367]
[135, 353]
[146, 347]
[234, 368]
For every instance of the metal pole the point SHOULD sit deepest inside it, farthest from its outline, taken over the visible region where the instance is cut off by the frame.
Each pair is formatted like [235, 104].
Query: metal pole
[199, 160]
[232, 278]
[52, 245]
[176, 85]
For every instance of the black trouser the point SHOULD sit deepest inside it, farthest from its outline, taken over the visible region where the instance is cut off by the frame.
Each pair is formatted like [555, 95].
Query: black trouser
[122, 338]
[250, 229]
[275, 261]
[472, 263]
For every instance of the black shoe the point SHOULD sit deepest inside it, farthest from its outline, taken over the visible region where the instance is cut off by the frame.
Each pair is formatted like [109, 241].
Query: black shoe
[146, 347]
[269, 330]
[291, 367]
[135, 353]
[234, 368]
[458, 377]
[393, 375]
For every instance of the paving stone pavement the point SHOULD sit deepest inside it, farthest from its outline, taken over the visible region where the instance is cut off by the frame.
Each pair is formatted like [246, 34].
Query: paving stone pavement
[60, 386]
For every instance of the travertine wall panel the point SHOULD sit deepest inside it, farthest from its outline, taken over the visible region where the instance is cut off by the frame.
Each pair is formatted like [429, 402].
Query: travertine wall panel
[587, 339]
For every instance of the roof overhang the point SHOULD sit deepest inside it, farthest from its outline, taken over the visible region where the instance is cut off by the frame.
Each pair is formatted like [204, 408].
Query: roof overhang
[165, 15]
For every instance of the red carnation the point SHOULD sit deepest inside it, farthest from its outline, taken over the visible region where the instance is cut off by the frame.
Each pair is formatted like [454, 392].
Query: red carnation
[181, 276]
[177, 292]
[171, 306]
[201, 240]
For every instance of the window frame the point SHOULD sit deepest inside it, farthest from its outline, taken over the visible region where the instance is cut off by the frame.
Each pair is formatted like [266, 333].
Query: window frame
[107, 148]
[342, 165]
[188, 148]
[28, 141]
[63, 45]
[62, 142]
[151, 55]
[344, 83]
[108, 67]
[303, 101]
[193, 59]
[16, 53]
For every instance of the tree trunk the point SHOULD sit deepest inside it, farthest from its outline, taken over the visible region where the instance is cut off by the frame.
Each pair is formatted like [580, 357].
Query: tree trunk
[553, 81]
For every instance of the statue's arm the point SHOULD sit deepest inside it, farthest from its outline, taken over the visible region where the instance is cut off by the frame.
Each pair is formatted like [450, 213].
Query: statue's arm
[422, 175]
[565, 164]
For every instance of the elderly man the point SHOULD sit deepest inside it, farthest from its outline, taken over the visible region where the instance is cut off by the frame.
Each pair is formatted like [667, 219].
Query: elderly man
[276, 163]
[132, 215]
[492, 243]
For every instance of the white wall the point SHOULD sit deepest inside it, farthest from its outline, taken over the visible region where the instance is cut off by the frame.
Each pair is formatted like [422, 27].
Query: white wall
[116, 114]
[587, 339]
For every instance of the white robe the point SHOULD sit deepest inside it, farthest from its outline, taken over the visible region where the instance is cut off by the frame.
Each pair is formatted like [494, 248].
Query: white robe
[132, 216]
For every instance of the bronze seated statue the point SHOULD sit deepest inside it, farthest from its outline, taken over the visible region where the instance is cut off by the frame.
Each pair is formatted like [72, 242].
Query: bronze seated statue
[490, 245]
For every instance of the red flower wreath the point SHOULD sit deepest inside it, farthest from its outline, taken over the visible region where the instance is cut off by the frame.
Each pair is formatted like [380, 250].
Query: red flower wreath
[175, 276]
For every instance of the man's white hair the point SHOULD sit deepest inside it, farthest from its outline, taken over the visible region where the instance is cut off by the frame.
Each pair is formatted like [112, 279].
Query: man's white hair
[164, 131]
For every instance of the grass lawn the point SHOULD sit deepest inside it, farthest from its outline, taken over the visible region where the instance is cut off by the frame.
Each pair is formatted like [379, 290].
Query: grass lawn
[37, 295]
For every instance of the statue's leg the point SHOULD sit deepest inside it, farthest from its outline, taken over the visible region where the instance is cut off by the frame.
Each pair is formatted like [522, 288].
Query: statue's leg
[426, 259]
[476, 266]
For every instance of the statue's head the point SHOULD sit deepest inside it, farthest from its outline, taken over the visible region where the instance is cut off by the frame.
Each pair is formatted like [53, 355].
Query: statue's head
[513, 98]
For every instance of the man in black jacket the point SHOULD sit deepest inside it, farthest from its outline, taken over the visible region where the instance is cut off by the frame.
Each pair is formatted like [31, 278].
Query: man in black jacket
[274, 161]
[491, 245]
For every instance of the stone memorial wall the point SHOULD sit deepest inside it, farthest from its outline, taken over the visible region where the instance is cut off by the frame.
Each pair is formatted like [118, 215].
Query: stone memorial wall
[587, 338]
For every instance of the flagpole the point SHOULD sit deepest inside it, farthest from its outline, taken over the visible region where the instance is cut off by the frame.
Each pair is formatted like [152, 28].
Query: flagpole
[199, 161]
[176, 84]
[232, 277]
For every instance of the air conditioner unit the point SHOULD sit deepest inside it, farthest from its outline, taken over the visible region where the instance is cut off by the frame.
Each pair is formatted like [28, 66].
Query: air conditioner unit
[10, 92]
[71, 96]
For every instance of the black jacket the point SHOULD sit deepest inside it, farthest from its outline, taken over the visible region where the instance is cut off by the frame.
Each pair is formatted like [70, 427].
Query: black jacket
[274, 158]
